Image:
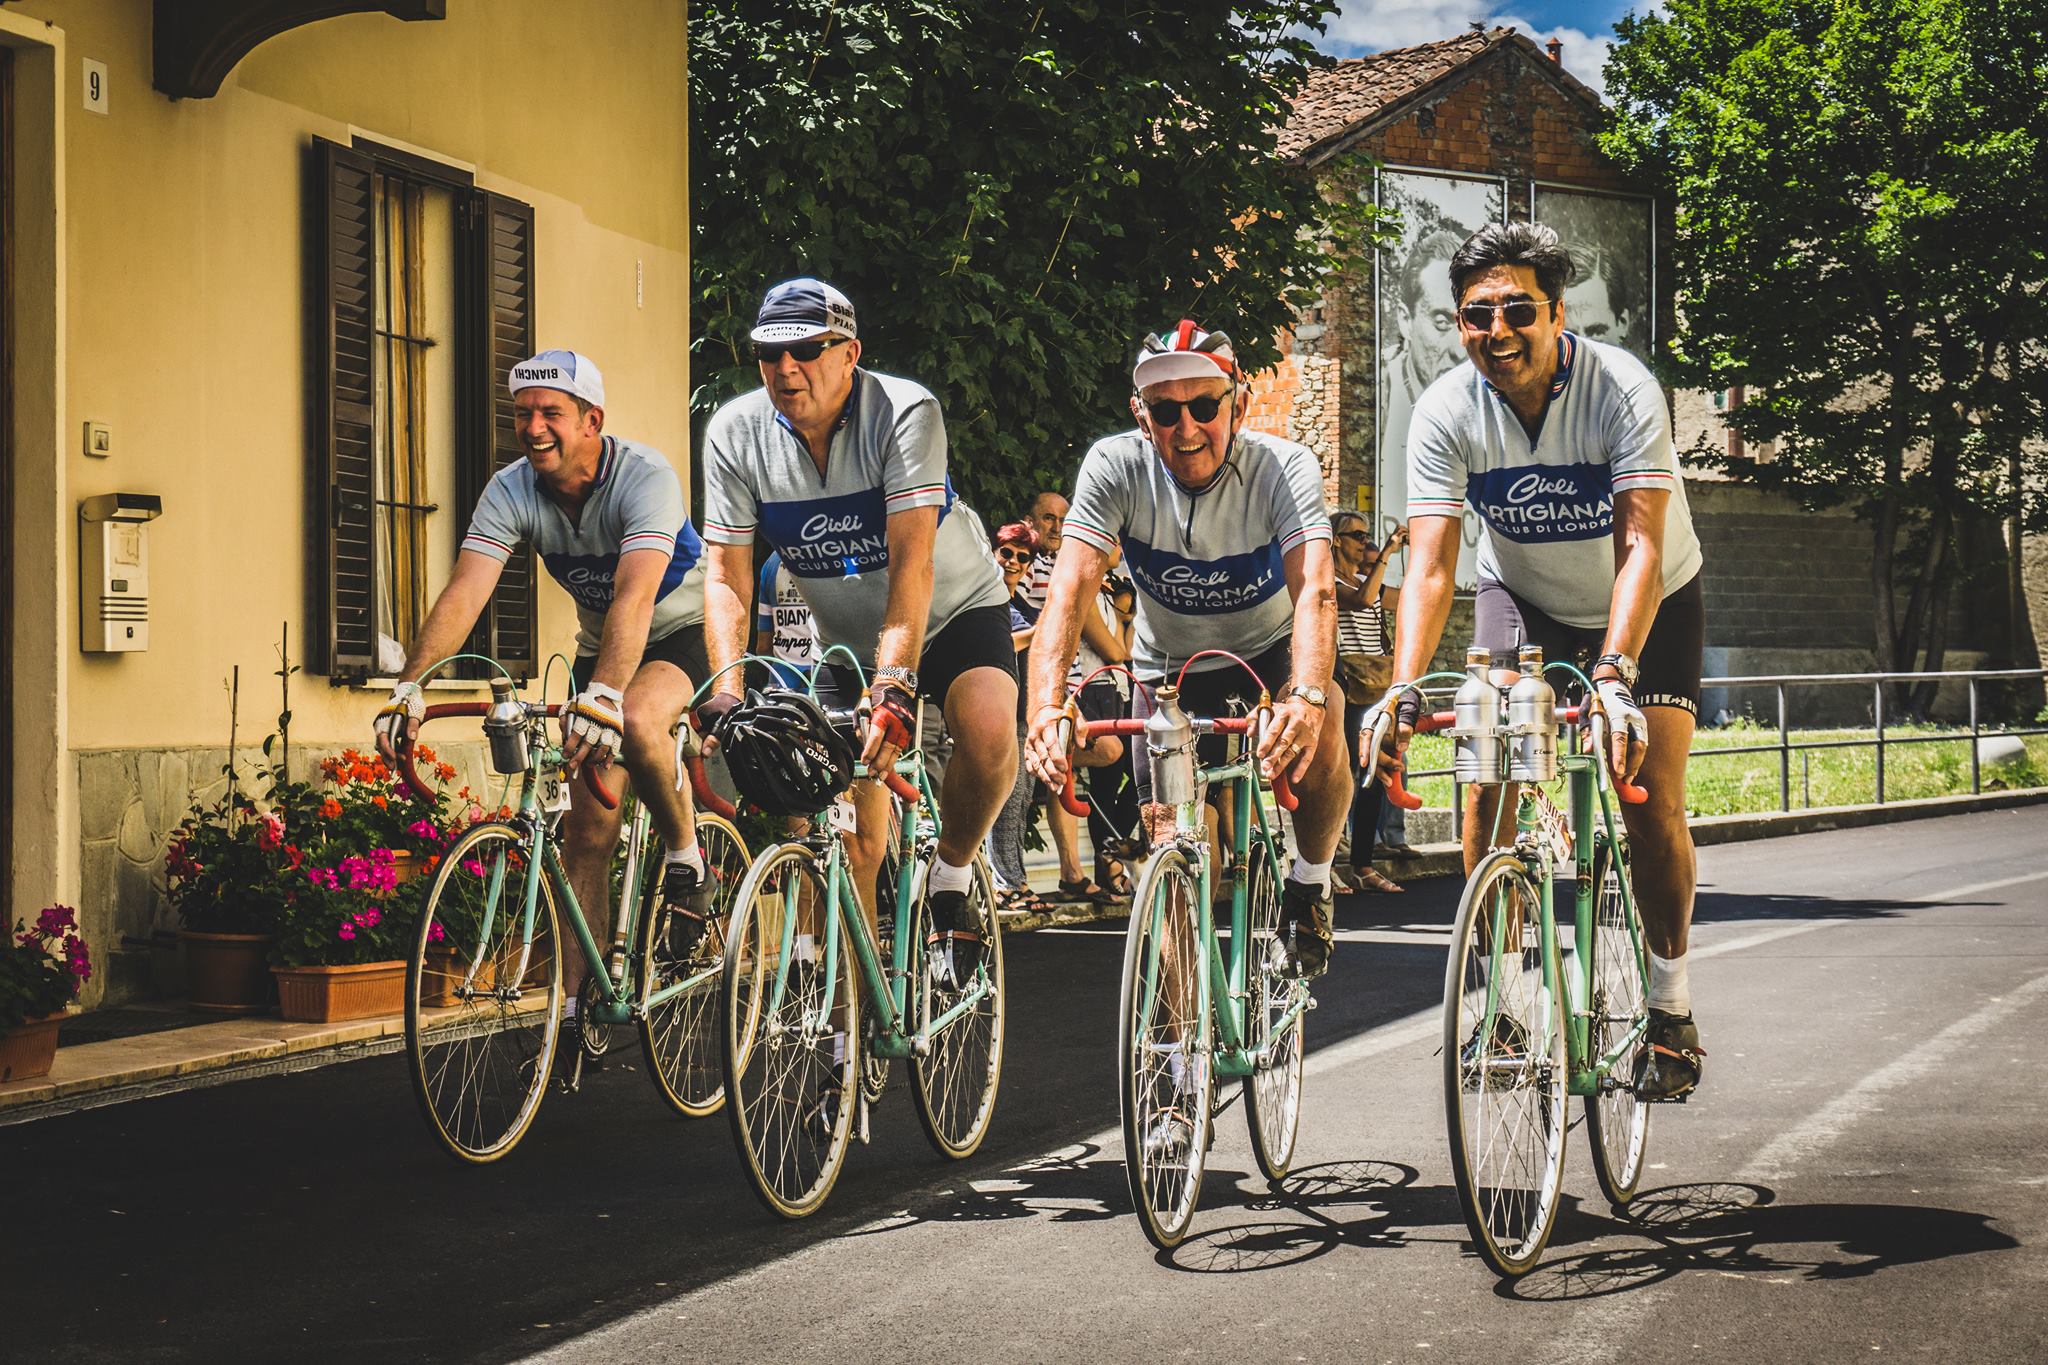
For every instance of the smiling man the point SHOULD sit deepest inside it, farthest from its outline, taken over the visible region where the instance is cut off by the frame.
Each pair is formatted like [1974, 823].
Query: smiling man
[1563, 447]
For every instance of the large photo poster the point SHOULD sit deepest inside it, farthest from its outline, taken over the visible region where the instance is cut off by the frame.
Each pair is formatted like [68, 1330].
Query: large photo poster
[1418, 324]
[1612, 296]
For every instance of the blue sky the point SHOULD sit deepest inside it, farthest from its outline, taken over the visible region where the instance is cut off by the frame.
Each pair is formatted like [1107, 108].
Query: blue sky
[1587, 29]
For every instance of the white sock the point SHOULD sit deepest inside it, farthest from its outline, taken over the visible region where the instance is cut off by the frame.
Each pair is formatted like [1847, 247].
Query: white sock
[946, 877]
[1670, 988]
[691, 857]
[1308, 873]
[569, 1010]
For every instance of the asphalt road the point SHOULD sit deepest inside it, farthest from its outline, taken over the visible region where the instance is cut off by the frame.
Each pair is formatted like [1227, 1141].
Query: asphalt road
[1863, 1176]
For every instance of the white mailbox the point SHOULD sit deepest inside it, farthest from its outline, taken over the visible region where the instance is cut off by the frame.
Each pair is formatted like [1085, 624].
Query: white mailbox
[113, 571]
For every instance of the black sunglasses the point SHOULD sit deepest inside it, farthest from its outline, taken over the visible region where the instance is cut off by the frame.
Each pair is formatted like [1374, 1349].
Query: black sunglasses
[1011, 555]
[1166, 411]
[1520, 313]
[804, 351]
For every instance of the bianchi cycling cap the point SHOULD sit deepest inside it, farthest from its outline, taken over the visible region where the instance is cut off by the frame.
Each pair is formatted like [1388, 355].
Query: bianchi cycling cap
[1187, 352]
[564, 370]
[797, 310]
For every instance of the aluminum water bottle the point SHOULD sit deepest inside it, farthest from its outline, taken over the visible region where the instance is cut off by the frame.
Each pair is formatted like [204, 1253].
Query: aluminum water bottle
[1479, 756]
[1532, 722]
[1170, 745]
[505, 727]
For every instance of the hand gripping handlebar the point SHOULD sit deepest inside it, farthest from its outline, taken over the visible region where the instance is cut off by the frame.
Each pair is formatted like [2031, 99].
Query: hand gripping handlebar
[591, 778]
[1389, 769]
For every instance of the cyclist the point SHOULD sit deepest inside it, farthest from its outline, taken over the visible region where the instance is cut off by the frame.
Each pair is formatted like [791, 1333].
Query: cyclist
[606, 517]
[1563, 446]
[1228, 539]
[843, 471]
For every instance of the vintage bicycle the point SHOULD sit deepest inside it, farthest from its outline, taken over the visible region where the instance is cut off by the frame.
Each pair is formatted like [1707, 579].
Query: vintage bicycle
[1528, 1022]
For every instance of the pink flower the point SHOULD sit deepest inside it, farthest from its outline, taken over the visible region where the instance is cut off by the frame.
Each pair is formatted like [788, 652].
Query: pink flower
[347, 931]
[423, 829]
[56, 919]
[473, 866]
[270, 833]
[435, 933]
[370, 918]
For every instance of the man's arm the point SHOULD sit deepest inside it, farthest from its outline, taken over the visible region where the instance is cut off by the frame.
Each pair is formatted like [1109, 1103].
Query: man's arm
[1076, 578]
[1311, 582]
[728, 574]
[1638, 569]
[455, 612]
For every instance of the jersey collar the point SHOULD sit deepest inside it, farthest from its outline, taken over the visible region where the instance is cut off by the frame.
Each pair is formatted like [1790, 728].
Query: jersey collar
[846, 414]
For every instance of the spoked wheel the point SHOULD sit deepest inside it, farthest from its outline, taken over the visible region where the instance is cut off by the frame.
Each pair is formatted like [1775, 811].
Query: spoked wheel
[874, 1067]
[791, 1036]
[955, 1078]
[1164, 1045]
[483, 1004]
[1504, 1068]
[1272, 1093]
[680, 1031]
[1617, 1123]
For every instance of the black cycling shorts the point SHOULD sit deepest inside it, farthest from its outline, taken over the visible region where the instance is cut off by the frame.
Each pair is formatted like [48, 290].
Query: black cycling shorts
[977, 638]
[683, 647]
[1671, 659]
[1224, 691]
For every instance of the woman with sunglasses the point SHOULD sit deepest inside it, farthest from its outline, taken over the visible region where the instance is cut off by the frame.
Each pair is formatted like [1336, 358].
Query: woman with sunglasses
[1015, 546]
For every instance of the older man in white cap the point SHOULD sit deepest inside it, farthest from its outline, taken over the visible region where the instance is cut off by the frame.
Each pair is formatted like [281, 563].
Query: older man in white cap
[606, 517]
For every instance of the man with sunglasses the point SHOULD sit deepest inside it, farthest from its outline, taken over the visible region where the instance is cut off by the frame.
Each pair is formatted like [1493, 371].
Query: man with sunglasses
[1563, 446]
[1228, 540]
[843, 472]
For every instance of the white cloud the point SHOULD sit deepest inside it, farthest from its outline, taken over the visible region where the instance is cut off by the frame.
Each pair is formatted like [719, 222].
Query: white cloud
[1365, 26]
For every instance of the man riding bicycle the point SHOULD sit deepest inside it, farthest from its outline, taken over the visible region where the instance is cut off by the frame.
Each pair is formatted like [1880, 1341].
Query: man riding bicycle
[606, 517]
[1214, 523]
[843, 471]
[1563, 446]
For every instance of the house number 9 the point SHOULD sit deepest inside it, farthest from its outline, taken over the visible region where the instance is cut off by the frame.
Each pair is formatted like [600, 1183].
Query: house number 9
[95, 86]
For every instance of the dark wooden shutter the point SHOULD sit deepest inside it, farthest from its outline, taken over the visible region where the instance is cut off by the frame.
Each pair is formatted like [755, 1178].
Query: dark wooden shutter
[497, 307]
[344, 272]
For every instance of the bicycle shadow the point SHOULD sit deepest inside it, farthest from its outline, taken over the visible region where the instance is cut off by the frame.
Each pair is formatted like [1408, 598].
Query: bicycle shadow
[1740, 1228]
[1081, 1184]
[1337, 1204]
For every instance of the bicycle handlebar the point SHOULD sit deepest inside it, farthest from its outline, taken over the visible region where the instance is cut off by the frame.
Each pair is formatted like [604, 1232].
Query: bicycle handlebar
[591, 778]
[1087, 730]
[1389, 770]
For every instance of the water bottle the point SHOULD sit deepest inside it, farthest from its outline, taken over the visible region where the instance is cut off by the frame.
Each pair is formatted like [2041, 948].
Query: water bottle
[1479, 754]
[505, 727]
[1170, 745]
[1532, 722]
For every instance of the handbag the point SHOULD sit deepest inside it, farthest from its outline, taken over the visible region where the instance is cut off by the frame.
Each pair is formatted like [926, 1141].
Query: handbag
[1365, 677]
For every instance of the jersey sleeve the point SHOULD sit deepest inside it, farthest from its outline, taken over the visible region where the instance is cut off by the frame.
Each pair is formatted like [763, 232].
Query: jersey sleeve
[764, 592]
[1437, 467]
[499, 524]
[732, 507]
[1101, 506]
[1640, 452]
[1299, 512]
[651, 510]
[914, 465]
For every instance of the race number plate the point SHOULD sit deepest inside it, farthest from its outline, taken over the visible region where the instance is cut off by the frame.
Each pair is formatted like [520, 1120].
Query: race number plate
[842, 815]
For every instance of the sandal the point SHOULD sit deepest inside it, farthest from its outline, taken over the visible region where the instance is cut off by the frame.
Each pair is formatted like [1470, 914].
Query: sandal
[1020, 900]
[1109, 871]
[1371, 880]
[1084, 889]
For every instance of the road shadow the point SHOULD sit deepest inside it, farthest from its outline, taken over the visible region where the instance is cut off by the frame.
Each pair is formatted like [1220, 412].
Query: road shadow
[1738, 1228]
[1334, 1204]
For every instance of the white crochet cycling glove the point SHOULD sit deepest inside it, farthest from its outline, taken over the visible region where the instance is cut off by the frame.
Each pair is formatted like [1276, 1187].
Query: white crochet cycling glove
[1622, 712]
[408, 706]
[597, 716]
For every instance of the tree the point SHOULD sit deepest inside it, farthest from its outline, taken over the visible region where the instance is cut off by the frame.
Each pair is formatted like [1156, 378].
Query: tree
[1011, 195]
[1859, 213]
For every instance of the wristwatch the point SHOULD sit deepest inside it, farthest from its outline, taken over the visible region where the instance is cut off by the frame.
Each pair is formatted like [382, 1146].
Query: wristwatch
[1314, 696]
[905, 678]
[1623, 664]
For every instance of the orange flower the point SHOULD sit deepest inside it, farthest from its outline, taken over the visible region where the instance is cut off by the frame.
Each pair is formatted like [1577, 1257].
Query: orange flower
[445, 771]
[380, 803]
[330, 809]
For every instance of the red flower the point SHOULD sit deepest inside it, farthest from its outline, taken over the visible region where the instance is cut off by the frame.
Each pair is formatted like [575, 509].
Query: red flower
[330, 809]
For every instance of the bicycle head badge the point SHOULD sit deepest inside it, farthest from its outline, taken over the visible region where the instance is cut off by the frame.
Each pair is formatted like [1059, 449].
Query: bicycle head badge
[784, 755]
[505, 727]
[1170, 745]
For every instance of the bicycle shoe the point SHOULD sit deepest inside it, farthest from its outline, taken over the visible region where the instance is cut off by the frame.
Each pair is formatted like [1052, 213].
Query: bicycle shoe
[1670, 1067]
[1510, 1043]
[1301, 945]
[953, 947]
[686, 896]
[1171, 1135]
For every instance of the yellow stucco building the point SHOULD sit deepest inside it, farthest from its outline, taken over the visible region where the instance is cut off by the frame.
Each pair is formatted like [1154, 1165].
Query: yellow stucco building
[283, 307]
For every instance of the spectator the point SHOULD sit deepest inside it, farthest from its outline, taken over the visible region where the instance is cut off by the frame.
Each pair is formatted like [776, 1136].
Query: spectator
[1365, 668]
[1015, 545]
[1048, 517]
[1112, 791]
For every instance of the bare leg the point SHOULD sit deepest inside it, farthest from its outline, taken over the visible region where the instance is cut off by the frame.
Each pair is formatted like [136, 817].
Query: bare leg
[589, 834]
[981, 715]
[1664, 866]
[654, 700]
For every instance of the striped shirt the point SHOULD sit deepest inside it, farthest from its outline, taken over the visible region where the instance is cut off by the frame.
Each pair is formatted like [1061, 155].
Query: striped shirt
[1362, 630]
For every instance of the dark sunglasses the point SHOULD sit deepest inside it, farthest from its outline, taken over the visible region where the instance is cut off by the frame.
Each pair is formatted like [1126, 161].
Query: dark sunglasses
[1356, 535]
[1166, 411]
[1011, 555]
[804, 351]
[1520, 313]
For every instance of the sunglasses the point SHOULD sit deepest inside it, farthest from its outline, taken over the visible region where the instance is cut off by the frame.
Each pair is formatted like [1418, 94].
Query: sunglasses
[1013, 556]
[1521, 313]
[1355, 535]
[803, 351]
[1166, 411]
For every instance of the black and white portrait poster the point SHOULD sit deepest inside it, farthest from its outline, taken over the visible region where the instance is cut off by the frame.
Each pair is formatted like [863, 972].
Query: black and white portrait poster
[1418, 324]
[1610, 238]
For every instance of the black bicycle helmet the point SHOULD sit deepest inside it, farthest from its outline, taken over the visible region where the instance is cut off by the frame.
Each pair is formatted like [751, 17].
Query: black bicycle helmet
[784, 756]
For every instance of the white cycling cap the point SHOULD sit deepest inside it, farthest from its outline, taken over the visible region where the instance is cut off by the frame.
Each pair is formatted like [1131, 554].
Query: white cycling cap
[568, 371]
[1187, 352]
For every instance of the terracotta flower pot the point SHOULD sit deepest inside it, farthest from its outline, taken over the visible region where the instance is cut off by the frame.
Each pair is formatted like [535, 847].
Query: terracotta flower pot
[405, 864]
[28, 1050]
[444, 972]
[227, 973]
[330, 995]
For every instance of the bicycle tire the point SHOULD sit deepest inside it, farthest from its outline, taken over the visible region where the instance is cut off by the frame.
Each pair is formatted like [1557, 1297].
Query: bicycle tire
[1507, 1157]
[955, 1079]
[680, 1035]
[791, 1101]
[479, 1046]
[1272, 1093]
[1166, 1109]
[1617, 1122]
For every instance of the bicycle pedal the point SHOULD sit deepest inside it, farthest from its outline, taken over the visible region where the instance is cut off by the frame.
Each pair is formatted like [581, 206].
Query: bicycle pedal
[860, 1125]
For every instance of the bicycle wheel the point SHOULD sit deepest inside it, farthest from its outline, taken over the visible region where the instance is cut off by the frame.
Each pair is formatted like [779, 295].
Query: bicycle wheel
[1164, 1041]
[1617, 1123]
[680, 1033]
[1272, 1093]
[483, 1004]
[791, 1037]
[1504, 1068]
[955, 1078]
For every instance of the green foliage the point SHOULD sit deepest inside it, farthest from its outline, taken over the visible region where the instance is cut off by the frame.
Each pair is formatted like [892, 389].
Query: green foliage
[1859, 205]
[1012, 195]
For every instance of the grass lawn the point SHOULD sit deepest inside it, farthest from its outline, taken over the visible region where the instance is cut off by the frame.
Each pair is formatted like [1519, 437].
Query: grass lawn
[1729, 784]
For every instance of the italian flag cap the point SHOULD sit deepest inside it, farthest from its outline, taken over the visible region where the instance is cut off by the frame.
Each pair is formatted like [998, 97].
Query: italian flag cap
[1186, 352]
[797, 310]
[565, 370]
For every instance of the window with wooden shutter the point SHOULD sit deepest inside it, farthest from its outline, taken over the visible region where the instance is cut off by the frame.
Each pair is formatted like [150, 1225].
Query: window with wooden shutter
[344, 267]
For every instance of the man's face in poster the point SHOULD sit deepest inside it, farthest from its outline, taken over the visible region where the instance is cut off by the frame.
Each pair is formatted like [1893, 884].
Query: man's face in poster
[1590, 310]
[1429, 327]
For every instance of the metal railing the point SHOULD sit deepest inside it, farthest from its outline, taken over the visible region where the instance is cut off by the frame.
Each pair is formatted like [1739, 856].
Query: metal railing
[1782, 683]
